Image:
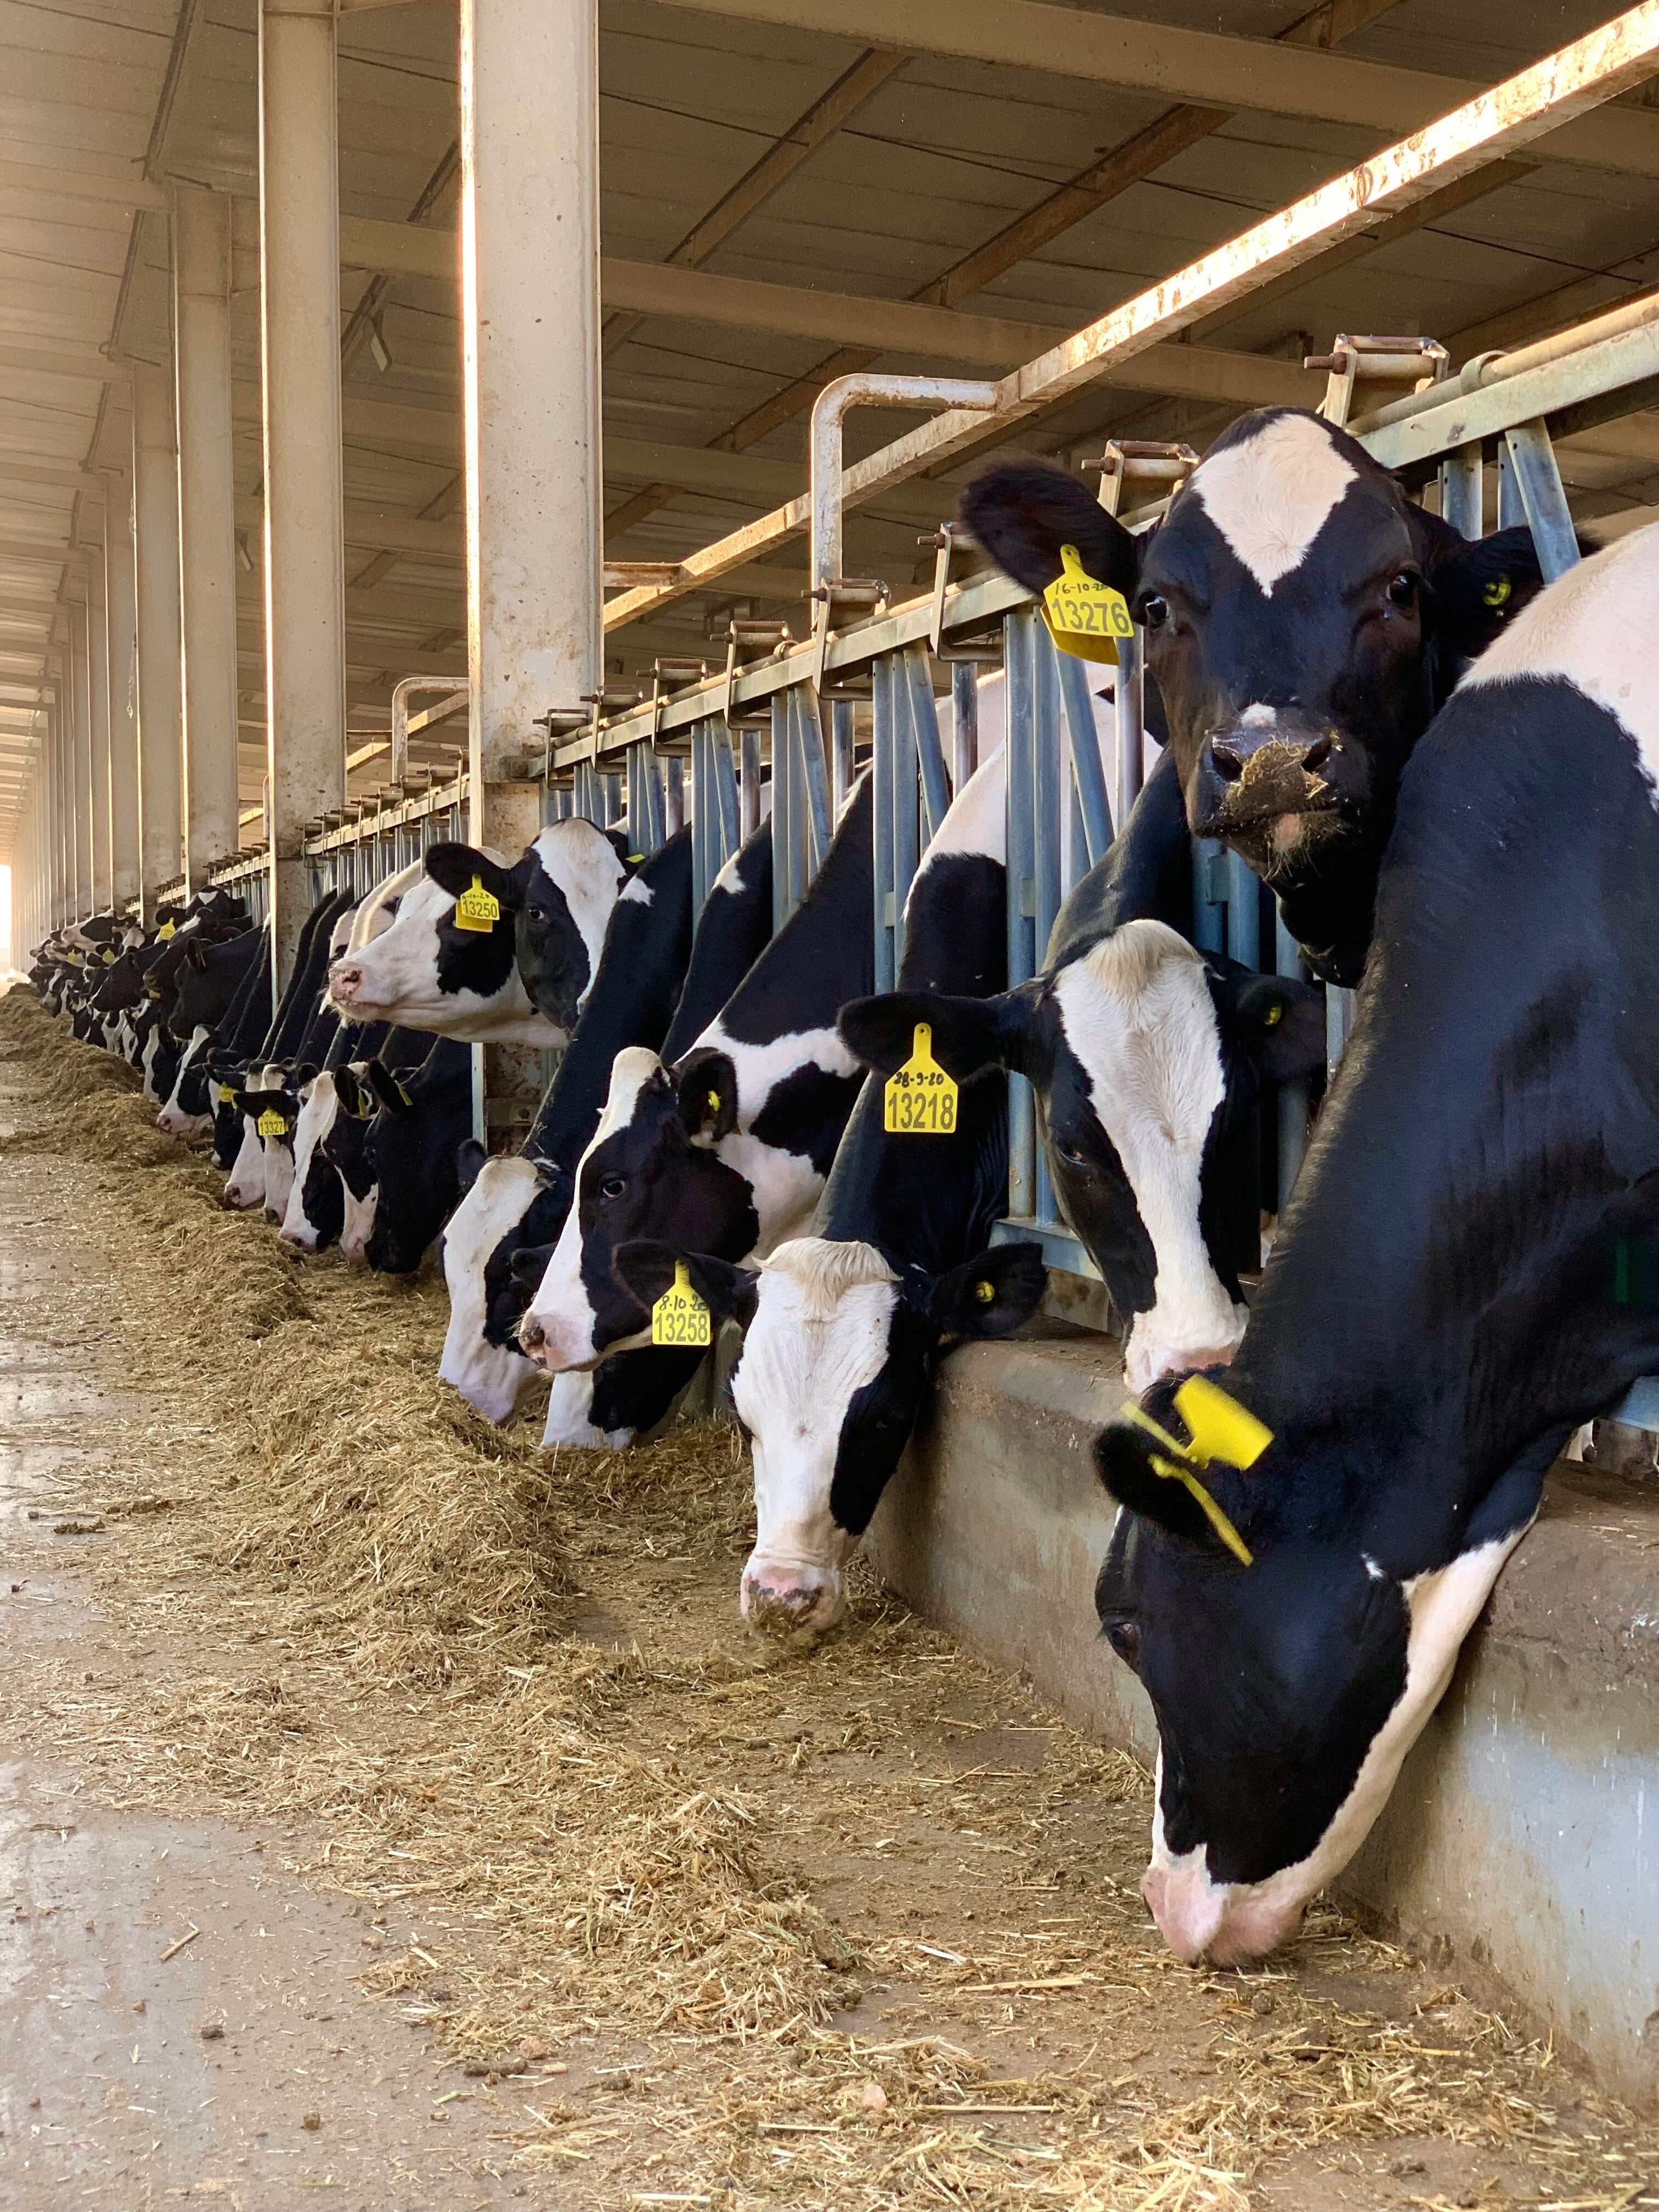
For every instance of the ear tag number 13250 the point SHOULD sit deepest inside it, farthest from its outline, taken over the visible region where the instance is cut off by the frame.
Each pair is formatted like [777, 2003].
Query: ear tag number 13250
[1085, 616]
[920, 1098]
[680, 1316]
[477, 909]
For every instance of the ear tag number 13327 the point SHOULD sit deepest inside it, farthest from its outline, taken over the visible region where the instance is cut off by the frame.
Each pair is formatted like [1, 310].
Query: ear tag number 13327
[477, 909]
[680, 1316]
[1085, 616]
[920, 1098]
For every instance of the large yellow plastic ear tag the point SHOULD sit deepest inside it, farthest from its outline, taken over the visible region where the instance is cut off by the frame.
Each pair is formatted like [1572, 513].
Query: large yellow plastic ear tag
[271, 1123]
[165, 932]
[1220, 1429]
[109, 958]
[477, 909]
[920, 1098]
[679, 1315]
[1085, 616]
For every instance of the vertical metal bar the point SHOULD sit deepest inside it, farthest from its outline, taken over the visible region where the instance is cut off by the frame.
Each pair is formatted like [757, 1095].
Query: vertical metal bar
[841, 747]
[1075, 857]
[700, 875]
[1088, 776]
[964, 721]
[1339, 1020]
[1022, 895]
[750, 787]
[1129, 706]
[1462, 484]
[881, 674]
[723, 826]
[1292, 1097]
[814, 780]
[1243, 896]
[673, 820]
[1532, 457]
[1209, 892]
[906, 847]
[930, 754]
[1049, 780]
[1511, 508]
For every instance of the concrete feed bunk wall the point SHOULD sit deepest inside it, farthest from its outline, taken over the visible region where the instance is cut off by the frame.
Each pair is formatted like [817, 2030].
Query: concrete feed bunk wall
[1518, 1839]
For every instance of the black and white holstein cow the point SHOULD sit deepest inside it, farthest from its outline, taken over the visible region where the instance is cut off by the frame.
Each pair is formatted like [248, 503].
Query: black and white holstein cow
[1145, 1058]
[428, 972]
[1468, 1270]
[1303, 620]
[843, 1328]
[725, 1151]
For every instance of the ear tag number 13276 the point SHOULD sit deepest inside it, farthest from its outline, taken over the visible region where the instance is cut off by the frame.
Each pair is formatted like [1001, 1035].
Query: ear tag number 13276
[477, 909]
[1085, 616]
[680, 1316]
[920, 1098]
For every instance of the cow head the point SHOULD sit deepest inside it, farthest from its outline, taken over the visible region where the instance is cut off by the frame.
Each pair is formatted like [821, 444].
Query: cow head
[838, 1351]
[556, 902]
[345, 1150]
[315, 1212]
[509, 1209]
[1288, 1669]
[1145, 1059]
[1303, 620]
[651, 1172]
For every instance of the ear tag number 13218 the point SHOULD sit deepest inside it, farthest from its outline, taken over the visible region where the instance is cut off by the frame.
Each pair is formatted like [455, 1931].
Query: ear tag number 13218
[680, 1316]
[1085, 616]
[477, 909]
[920, 1098]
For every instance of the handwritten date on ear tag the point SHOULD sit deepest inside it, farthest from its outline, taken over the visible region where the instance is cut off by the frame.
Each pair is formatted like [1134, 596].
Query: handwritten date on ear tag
[680, 1316]
[920, 1098]
[1085, 616]
[477, 909]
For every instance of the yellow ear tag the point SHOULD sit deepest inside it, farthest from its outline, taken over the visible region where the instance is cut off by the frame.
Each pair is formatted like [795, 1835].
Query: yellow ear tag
[109, 958]
[1085, 616]
[220, 1093]
[679, 1315]
[165, 932]
[1221, 1429]
[1496, 592]
[986, 1293]
[271, 1123]
[920, 1098]
[477, 909]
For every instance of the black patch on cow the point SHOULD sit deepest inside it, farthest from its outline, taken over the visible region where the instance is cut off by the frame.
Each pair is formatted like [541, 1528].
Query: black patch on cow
[410, 1150]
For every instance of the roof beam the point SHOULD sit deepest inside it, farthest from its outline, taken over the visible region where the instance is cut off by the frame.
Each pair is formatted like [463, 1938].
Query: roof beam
[1579, 78]
[1261, 74]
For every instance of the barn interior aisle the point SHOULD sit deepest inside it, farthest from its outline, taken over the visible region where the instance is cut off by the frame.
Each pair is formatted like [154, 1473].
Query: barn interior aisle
[406, 1816]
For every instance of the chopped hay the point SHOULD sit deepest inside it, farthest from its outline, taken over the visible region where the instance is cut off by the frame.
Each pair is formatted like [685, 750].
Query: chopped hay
[365, 1610]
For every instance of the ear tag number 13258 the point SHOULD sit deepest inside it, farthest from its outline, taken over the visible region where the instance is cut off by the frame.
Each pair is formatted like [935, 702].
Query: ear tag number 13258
[680, 1316]
[920, 1098]
[1085, 616]
[477, 909]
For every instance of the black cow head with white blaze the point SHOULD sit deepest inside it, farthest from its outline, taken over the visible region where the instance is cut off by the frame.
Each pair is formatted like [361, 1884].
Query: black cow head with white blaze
[1302, 621]
[838, 1350]
[1145, 1058]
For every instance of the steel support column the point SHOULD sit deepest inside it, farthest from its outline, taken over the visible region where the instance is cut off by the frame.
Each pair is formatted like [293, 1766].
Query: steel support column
[120, 614]
[155, 513]
[305, 545]
[207, 523]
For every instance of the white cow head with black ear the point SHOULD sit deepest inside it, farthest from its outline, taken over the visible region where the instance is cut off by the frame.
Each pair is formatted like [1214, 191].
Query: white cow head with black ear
[839, 1350]
[1145, 1058]
[559, 897]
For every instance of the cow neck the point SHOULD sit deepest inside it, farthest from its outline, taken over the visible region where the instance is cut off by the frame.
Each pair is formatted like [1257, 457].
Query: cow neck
[1439, 1311]
[732, 931]
[823, 956]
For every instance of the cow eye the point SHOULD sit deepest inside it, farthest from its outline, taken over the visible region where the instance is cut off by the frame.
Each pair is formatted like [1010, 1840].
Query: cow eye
[612, 1186]
[1124, 1636]
[1154, 613]
[537, 915]
[1402, 591]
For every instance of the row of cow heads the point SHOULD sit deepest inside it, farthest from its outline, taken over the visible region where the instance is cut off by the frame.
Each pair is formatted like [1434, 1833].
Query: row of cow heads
[1303, 620]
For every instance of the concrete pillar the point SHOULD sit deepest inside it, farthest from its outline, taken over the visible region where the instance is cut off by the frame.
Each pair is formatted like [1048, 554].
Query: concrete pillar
[80, 740]
[530, 310]
[305, 547]
[207, 523]
[98, 695]
[120, 611]
[62, 797]
[155, 514]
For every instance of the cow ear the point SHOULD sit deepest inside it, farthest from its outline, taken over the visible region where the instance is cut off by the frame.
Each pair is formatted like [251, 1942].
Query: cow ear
[1279, 1021]
[388, 1087]
[645, 1270]
[1478, 585]
[969, 1035]
[529, 1264]
[706, 1087]
[618, 843]
[347, 1091]
[1023, 512]
[991, 1296]
[469, 1156]
[454, 868]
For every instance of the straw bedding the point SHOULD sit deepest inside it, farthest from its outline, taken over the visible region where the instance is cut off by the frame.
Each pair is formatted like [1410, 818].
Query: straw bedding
[498, 1698]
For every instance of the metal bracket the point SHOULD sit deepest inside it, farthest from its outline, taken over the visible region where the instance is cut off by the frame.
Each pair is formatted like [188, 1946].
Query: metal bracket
[1368, 362]
[1156, 465]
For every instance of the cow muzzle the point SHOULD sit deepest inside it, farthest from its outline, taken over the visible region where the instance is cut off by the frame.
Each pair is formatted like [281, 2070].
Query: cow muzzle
[788, 1603]
[555, 1342]
[1269, 779]
[1219, 1923]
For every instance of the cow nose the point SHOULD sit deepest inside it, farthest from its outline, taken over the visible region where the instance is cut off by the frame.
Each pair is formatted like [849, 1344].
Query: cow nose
[1229, 759]
[792, 1604]
[531, 1332]
[345, 982]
